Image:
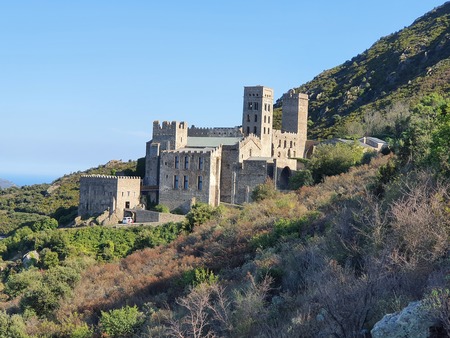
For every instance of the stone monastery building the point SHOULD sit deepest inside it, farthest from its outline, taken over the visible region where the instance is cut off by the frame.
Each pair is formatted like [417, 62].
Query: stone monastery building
[212, 165]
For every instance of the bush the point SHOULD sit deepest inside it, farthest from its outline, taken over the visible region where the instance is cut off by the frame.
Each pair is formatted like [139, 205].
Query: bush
[45, 224]
[334, 159]
[199, 214]
[121, 322]
[264, 191]
[162, 208]
[301, 178]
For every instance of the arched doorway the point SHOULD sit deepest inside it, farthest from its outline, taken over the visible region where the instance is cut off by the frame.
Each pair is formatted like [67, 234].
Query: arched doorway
[283, 183]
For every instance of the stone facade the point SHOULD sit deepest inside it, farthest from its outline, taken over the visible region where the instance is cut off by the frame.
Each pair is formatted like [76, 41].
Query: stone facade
[233, 160]
[100, 193]
[188, 176]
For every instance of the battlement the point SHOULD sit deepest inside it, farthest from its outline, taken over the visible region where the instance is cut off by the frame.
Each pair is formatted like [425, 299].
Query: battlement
[195, 151]
[291, 94]
[280, 133]
[194, 131]
[109, 177]
[168, 128]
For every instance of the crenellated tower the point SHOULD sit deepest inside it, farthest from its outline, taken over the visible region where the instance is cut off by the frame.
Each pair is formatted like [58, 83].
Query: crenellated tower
[257, 117]
[295, 117]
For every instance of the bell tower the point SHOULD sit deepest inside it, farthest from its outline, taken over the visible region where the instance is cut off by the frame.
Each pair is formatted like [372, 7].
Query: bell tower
[257, 117]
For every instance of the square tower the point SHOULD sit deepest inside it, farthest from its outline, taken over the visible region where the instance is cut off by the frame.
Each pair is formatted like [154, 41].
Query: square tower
[257, 117]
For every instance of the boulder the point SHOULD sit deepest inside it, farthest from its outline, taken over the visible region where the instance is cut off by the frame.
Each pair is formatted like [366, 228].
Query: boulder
[414, 321]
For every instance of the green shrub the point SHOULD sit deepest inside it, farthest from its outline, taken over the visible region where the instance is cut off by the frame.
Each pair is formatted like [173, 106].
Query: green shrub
[121, 322]
[264, 191]
[49, 258]
[300, 179]
[334, 159]
[161, 208]
[199, 214]
[44, 224]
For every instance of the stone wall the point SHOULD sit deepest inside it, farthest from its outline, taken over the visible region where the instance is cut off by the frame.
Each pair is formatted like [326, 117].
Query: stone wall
[100, 193]
[286, 145]
[187, 176]
[252, 173]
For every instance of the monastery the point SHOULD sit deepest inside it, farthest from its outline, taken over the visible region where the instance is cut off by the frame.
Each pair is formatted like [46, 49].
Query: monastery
[186, 165]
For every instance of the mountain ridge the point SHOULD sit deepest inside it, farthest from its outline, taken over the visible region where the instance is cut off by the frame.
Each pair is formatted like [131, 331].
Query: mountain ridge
[402, 66]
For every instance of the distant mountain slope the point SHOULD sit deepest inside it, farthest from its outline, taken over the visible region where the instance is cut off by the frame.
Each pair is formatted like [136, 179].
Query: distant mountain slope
[6, 184]
[403, 66]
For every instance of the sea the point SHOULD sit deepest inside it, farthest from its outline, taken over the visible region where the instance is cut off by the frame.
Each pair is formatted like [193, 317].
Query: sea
[22, 180]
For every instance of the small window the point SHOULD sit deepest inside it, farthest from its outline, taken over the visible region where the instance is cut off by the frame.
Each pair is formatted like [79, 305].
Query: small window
[255, 130]
[256, 118]
[268, 118]
[200, 163]
[200, 182]
[177, 162]
[250, 106]
[265, 106]
[248, 117]
[256, 106]
[175, 181]
[248, 130]
[186, 182]
[265, 117]
[285, 143]
[268, 108]
[264, 130]
[186, 162]
[290, 146]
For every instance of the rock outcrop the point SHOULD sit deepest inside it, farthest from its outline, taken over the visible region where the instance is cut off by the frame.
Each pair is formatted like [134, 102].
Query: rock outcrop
[414, 321]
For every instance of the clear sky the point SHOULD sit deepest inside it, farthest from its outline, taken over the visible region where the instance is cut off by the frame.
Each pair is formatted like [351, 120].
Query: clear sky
[82, 81]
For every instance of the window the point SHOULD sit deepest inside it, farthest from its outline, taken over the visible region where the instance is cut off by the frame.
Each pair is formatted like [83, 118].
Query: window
[268, 108]
[290, 145]
[175, 181]
[248, 117]
[186, 182]
[285, 143]
[256, 105]
[265, 118]
[268, 118]
[186, 162]
[254, 130]
[248, 130]
[177, 162]
[265, 106]
[200, 163]
[256, 118]
[200, 182]
[264, 130]
[250, 106]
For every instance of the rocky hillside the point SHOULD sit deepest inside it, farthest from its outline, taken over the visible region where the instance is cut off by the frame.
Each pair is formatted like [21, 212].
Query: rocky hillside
[399, 68]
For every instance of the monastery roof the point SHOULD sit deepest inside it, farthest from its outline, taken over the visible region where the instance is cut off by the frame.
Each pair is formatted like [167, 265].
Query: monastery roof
[203, 142]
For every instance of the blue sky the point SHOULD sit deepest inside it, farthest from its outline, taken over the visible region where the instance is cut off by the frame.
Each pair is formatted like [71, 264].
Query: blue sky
[82, 81]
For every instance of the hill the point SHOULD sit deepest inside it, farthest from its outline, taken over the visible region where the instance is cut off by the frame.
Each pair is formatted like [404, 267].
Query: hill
[6, 184]
[389, 77]
[59, 200]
